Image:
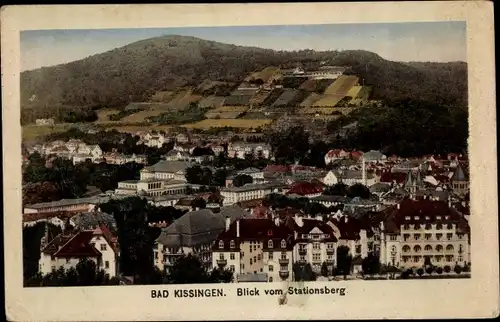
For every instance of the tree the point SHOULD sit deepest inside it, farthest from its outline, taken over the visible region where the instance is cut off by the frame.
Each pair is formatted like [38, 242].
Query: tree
[344, 260]
[358, 190]
[221, 275]
[370, 265]
[135, 237]
[291, 145]
[420, 271]
[324, 269]
[303, 272]
[241, 180]
[429, 269]
[439, 270]
[188, 270]
[466, 268]
[198, 203]
[447, 269]
[457, 269]
[339, 189]
[219, 178]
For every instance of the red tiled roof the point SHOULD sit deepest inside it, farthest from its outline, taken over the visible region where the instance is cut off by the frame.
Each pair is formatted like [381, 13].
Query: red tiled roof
[111, 239]
[79, 246]
[277, 168]
[261, 230]
[304, 188]
[350, 229]
[47, 215]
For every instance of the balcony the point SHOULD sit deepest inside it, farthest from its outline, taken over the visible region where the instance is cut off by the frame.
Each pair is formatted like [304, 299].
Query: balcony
[302, 251]
[302, 261]
[284, 274]
[330, 261]
[283, 260]
[222, 262]
[330, 251]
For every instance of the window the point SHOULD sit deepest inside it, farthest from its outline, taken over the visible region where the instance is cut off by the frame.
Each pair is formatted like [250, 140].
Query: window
[449, 226]
[103, 247]
[428, 248]
[242, 266]
[231, 256]
[271, 268]
[283, 244]
[221, 256]
[231, 244]
[428, 226]
[394, 237]
[417, 249]
[439, 248]
[106, 264]
[416, 259]
[417, 226]
[406, 248]
[255, 259]
[270, 244]
[406, 237]
[270, 255]
[251, 261]
[416, 218]
[438, 259]
[258, 257]
[428, 236]
[407, 218]
[393, 249]
[221, 244]
[427, 218]
[330, 246]
[270, 279]
[53, 268]
[439, 236]
[358, 249]
[449, 248]
[416, 236]
[316, 257]
[406, 226]
[231, 268]
[449, 236]
[316, 246]
[449, 258]
[302, 258]
[67, 260]
[460, 258]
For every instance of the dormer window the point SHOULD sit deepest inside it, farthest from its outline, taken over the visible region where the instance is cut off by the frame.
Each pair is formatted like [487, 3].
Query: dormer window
[231, 244]
[438, 217]
[447, 217]
[270, 244]
[269, 232]
[407, 218]
[427, 218]
[283, 244]
[221, 244]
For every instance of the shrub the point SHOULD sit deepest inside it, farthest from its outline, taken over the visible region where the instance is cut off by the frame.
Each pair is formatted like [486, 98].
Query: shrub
[439, 270]
[420, 271]
[429, 270]
[447, 269]
[405, 275]
[466, 269]
[457, 269]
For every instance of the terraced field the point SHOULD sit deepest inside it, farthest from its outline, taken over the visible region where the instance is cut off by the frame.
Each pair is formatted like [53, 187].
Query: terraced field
[342, 85]
[237, 123]
[142, 115]
[264, 74]
[103, 115]
[33, 132]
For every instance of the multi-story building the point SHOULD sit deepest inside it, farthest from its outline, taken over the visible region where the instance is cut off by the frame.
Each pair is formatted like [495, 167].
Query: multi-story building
[233, 195]
[416, 232]
[166, 170]
[67, 249]
[242, 149]
[253, 246]
[315, 243]
[193, 233]
[460, 181]
[151, 187]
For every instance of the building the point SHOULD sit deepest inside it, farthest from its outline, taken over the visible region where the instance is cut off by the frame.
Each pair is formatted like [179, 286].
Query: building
[350, 177]
[67, 249]
[418, 230]
[335, 154]
[45, 122]
[193, 233]
[460, 181]
[315, 244]
[305, 189]
[151, 187]
[256, 174]
[234, 195]
[242, 149]
[166, 170]
[71, 205]
[255, 247]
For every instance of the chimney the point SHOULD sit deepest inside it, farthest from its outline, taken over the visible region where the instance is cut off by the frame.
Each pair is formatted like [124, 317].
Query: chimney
[238, 228]
[228, 222]
[277, 221]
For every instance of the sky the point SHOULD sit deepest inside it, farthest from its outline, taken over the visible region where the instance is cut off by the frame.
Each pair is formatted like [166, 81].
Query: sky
[421, 41]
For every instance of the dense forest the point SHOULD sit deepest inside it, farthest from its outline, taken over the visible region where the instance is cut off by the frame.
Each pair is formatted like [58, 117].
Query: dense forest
[138, 70]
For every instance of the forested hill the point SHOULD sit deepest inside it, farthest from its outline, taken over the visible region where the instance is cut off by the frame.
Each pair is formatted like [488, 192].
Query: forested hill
[139, 69]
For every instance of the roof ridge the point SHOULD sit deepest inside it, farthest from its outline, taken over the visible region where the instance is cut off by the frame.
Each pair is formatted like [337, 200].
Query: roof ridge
[69, 240]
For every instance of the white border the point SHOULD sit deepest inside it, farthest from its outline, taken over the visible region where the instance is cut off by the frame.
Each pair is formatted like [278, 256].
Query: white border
[475, 297]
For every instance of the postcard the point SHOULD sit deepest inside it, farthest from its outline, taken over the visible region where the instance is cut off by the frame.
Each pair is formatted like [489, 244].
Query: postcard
[250, 161]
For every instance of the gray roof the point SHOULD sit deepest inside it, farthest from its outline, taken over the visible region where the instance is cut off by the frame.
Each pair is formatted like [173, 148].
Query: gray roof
[380, 187]
[373, 155]
[441, 195]
[249, 170]
[459, 174]
[193, 228]
[89, 220]
[234, 212]
[67, 202]
[169, 166]
[166, 197]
